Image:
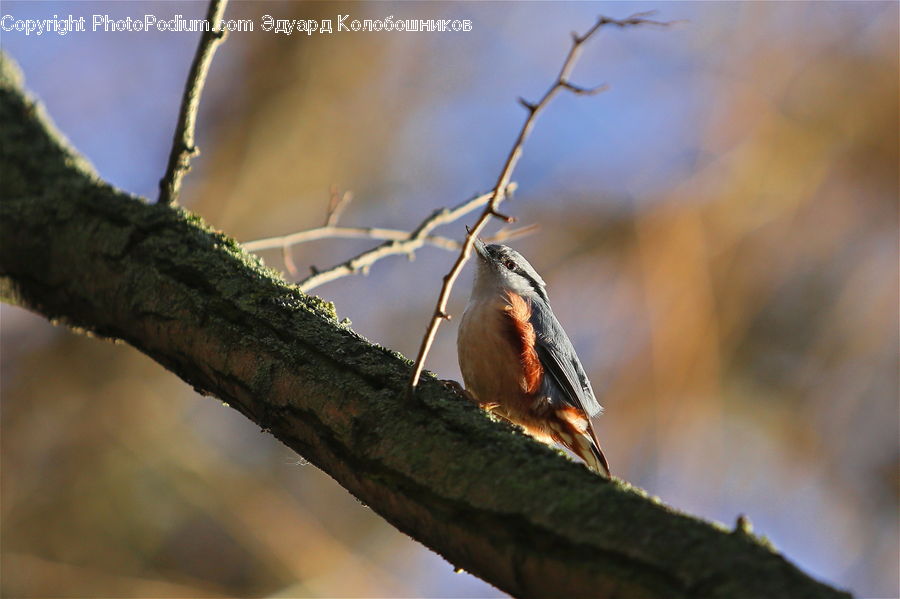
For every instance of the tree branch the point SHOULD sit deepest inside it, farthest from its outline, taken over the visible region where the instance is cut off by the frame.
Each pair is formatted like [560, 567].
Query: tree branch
[414, 240]
[334, 232]
[499, 192]
[398, 241]
[183, 146]
[489, 499]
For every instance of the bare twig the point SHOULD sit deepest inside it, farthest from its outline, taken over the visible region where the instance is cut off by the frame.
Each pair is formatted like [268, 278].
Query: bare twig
[288, 260]
[499, 193]
[336, 205]
[183, 147]
[332, 232]
[396, 242]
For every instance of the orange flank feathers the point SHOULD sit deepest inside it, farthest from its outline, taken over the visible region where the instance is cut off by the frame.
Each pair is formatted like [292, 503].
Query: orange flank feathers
[522, 333]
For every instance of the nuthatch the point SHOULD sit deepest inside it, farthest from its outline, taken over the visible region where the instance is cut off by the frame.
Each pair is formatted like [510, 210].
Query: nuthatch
[517, 361]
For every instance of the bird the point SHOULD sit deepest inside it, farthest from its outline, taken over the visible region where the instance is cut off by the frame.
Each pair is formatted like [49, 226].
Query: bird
[517, 361]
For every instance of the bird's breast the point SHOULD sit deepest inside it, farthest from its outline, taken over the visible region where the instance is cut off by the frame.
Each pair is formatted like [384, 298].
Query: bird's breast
[494, 344]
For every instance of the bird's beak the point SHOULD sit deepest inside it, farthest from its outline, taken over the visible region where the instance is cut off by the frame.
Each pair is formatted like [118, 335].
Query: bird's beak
[479, 247]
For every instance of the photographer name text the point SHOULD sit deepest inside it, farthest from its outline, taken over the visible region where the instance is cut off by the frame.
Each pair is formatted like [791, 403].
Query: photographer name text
[267, 23]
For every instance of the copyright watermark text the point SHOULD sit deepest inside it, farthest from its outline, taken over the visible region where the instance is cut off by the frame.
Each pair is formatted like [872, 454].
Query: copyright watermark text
[178, 23]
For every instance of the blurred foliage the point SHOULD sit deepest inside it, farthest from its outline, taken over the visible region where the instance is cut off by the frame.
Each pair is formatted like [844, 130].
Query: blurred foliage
[740, 321]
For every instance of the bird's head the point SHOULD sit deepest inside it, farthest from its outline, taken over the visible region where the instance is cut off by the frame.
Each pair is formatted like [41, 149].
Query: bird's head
[502, 269]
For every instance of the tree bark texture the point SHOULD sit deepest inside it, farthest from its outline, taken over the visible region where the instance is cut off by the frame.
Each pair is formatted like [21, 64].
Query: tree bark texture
[489, 499]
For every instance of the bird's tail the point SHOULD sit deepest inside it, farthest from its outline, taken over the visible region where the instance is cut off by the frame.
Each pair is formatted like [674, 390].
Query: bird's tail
[579, 437]
[588, 449]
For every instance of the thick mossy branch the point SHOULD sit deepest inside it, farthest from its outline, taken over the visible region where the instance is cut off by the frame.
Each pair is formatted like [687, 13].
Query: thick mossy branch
[489, 499]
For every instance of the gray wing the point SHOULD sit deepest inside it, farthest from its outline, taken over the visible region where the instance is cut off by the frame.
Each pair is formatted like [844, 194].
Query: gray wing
[564, 376]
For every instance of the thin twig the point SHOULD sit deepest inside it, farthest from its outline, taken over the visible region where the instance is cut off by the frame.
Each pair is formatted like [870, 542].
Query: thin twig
[498, 194]
[336, 205]
[371, 233]
[288, 260]
[398, 240]
[407, 244]
[183, 147]
[332, 232]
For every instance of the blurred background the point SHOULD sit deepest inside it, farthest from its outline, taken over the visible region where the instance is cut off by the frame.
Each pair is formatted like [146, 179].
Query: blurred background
[722, 225]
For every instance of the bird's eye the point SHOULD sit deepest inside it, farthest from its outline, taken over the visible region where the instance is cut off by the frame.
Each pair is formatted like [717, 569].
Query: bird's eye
[509, 264]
